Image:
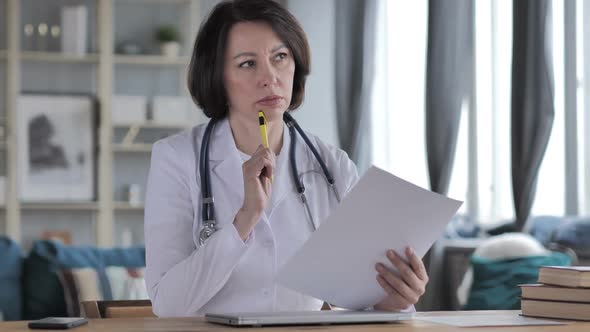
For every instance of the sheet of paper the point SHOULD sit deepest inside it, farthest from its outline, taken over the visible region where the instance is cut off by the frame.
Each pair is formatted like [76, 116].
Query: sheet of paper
[469, 320]
[337, 263]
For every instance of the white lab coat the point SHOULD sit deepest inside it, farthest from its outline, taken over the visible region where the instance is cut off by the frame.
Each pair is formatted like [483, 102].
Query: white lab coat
[227, 274]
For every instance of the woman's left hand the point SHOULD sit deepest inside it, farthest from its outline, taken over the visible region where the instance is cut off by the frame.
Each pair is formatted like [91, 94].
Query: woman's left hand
[403, 289]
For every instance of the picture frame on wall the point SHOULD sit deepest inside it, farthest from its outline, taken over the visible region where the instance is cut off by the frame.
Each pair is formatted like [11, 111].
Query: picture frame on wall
[57, 154]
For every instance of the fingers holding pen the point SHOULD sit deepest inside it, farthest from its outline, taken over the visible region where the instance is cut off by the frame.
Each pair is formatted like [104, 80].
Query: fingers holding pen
[263, 162]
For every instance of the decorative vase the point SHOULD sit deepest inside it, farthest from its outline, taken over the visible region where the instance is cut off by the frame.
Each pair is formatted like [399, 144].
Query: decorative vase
[170, 49]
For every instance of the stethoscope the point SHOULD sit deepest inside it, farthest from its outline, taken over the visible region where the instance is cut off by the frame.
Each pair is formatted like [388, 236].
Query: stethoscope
[208, 203]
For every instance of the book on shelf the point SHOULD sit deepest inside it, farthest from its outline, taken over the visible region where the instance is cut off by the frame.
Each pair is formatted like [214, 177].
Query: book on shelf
[556, 309]
[569, 276]
[555, 293]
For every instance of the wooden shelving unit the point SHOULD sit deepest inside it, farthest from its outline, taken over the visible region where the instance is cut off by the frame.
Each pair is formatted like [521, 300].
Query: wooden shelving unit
[105, 62]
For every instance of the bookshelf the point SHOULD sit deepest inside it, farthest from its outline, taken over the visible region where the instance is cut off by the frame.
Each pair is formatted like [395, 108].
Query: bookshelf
[115, 162]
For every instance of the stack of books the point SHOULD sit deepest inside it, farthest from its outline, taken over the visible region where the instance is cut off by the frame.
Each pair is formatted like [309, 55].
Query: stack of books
[562, 292]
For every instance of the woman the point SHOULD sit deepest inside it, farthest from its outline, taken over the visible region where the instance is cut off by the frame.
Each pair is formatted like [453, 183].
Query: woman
[249, 55]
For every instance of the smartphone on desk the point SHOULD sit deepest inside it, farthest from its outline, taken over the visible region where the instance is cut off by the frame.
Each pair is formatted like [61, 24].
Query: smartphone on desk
[61, 323]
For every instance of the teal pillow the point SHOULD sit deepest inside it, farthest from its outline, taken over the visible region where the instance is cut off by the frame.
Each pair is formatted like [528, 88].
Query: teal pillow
[11, 263]
[495, 282]
[43, 291]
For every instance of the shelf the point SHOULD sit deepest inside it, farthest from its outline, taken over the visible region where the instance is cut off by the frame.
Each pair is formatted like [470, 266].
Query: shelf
[151, 60]
[154, 60]
[151, 125]
[157, 1]
[124, 206]
[59, 57]
[140, 148]
[60, 206]
[3, 54]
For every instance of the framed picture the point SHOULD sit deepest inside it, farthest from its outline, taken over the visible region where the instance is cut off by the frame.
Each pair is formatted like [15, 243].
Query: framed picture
[56, 157]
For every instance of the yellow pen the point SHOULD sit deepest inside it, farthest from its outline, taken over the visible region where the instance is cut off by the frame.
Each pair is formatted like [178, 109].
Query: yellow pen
[264, 132]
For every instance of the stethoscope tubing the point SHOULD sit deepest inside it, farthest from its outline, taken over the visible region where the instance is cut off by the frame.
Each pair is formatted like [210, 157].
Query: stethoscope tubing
[208, 203]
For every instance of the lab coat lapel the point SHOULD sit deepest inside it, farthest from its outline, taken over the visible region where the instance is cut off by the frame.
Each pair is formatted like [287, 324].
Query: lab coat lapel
[226, 165]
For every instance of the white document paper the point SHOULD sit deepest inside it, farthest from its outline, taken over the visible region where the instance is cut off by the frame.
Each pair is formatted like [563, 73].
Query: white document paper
[337, 263]
[470, 320]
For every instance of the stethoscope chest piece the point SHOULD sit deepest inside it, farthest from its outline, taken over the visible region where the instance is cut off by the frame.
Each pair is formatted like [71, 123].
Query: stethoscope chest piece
[208, 230]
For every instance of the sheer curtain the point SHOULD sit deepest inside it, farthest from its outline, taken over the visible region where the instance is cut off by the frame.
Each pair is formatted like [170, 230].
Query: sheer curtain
[398, 133]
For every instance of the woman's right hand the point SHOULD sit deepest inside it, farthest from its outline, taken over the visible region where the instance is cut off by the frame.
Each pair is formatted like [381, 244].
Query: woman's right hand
[257, 172]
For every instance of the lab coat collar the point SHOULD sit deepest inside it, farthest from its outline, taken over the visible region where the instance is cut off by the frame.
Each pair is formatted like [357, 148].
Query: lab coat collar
[222, 145]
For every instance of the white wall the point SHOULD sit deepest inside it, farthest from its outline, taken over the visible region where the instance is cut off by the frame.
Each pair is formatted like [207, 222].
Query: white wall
[318, 112]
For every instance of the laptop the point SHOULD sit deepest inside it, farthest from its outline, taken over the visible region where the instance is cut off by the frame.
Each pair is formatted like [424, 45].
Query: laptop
[306, 318]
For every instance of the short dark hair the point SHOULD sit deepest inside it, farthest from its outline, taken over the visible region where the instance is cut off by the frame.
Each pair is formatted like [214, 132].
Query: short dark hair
[205, 71]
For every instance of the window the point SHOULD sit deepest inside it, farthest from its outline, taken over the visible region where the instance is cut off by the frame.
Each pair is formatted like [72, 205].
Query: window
[482, 169]
[493, 56]
[583, 99]
[550, 196]
[398, 103]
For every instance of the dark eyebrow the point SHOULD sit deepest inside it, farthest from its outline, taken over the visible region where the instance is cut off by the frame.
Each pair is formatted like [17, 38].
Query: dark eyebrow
[278, 48]
[254, 54]
[245, 54]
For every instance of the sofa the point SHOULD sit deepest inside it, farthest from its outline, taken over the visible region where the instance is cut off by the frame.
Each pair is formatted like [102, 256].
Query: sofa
[570, 234]
[52, 278]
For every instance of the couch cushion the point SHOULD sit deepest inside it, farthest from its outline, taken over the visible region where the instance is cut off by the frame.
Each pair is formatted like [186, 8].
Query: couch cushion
[495, 282]
[574, 233]
[543, 227]
[43, 291]
[10, 279]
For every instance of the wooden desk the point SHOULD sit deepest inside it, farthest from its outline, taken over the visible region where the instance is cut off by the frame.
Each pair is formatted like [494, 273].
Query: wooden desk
[198, 324]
